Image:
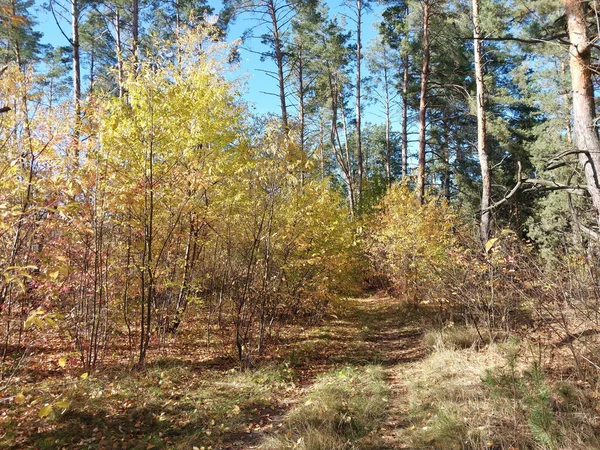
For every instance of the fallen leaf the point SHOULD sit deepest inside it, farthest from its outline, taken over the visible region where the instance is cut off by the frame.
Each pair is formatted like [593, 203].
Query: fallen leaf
[489, 244]
[45, 411]
[20, 398]
[63, 404]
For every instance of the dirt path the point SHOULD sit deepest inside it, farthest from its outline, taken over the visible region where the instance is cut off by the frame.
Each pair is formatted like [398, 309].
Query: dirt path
[372, 330]
[393, 329]
[192, 398]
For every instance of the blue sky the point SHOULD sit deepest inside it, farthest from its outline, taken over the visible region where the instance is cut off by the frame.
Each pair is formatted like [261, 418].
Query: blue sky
[259, 84]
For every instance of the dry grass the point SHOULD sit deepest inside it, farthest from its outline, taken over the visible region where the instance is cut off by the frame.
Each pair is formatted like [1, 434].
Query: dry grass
[492, 399]
[340, 412]
[460, 337]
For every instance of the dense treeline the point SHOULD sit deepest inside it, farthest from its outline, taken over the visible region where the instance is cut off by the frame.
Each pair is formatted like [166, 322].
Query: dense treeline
[136, 185]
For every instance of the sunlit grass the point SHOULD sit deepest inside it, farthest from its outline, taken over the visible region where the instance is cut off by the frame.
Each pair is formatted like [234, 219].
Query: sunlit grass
[340, 411]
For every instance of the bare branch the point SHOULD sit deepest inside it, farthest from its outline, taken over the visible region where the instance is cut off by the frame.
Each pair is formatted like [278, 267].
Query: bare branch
[554, 186]
[512, 193]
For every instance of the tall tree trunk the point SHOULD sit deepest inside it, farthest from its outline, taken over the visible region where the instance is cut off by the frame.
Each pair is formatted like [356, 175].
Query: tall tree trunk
[405, 115]
[446, 177]
[423, 102]
[75, 11]
[279, 60]
[584, 129]
[388, 124]
[486, 176]
[301, 97]
[119, 52]
[92, 71]
[359, 152]
[135, 30]
[567, 107]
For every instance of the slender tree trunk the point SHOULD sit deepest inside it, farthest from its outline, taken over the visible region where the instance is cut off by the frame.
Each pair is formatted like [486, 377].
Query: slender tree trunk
[302, 115]
[341, 151]
[135, 30]
[177, 15]
[92, 71]
[423, 102]
[567, 106]
[279, 60]
[119, 52]
[75, 11]
[447, 180]
[359, 152]
[388, 124]
[301, 100]
[584, 130]
[405, 115]
[322, 145]
[486, 176]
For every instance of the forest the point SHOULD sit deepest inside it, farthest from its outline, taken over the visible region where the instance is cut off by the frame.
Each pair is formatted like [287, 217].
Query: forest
[402, 253]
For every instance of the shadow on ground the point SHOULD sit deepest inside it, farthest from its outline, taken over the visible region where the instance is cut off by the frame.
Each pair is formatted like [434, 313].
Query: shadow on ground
[181, 403]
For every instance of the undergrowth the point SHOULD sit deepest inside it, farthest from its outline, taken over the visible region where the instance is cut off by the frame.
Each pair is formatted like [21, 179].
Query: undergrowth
[171, 405]
[340, 411]
[497, 397]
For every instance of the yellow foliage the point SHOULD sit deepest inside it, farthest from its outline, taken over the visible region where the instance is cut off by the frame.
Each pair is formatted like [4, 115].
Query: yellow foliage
[410, 243]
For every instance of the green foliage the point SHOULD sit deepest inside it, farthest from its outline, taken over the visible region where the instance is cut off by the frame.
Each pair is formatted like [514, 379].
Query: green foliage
[410, 243]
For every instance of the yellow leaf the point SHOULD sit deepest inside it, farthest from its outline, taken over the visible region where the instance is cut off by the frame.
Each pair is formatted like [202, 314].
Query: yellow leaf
[63, 404]
[19, 398]
[84, 376]
[45, 411]
[54, 275]
[34, 319]
[62, 362]
[236, 409]
[489, 244]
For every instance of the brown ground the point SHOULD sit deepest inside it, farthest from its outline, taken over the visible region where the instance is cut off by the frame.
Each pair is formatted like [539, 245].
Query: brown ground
[191, 397]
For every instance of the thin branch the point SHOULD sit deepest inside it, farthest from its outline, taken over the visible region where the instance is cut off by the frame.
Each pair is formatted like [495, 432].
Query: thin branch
[548, 40]
[58, 24]
[511, 194]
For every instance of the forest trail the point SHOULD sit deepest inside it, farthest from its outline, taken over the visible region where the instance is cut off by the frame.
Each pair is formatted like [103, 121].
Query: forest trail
[185, 401]
[392, 329]
[373, 330]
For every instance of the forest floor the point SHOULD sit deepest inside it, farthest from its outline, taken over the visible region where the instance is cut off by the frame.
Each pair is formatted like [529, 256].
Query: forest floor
[187, 401]
[361, 379]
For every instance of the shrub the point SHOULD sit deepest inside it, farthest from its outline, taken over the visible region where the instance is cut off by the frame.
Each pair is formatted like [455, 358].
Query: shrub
[410, 243]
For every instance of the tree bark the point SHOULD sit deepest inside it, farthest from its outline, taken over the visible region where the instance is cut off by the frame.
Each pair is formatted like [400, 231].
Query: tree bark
[486, 178]
[388, 123]
[279, 60]
[119, 52]
[584, 128]
[75, 11]
[405, 115]
[135, 29]
[423, 102]
[359, 152]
